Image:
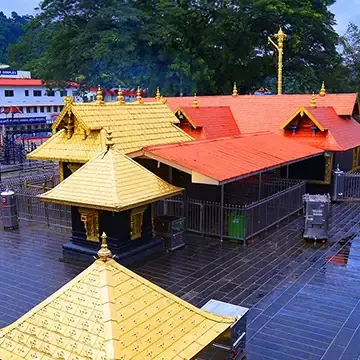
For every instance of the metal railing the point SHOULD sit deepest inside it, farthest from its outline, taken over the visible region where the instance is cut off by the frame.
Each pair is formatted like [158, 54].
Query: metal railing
[240, 222]
[346, 186]
[29, 206]
[31, 209]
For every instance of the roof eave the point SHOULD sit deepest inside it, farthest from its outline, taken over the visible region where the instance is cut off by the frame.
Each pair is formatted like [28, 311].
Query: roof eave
[270, 168]
[114, 208]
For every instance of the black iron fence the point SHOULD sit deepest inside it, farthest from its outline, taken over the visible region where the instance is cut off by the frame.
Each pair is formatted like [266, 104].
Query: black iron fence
[29, 206]
[31, 209]
[346, 186]
[235, 222]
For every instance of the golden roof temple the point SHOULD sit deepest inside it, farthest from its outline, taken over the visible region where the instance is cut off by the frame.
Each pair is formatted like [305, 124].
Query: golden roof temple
[127, 184]
[78, 137]
[108, 312]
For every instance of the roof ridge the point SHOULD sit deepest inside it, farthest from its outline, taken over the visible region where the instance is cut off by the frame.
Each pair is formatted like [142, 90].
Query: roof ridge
[107, 295]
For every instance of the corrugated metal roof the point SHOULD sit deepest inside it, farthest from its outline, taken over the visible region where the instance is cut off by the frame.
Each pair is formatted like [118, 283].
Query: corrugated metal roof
[111, 181]
[20, 82]
[230, 158]
[255, 113]
[215, 121]
[108, 312]
[133, 126]
[339, 134]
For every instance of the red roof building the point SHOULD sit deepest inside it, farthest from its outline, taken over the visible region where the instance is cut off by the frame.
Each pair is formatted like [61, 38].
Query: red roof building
[254, 113]
[207, 122]
[323, 128]
[219, 161]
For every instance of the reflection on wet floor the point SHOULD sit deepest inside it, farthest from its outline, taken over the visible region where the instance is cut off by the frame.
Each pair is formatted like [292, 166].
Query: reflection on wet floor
[304, 296]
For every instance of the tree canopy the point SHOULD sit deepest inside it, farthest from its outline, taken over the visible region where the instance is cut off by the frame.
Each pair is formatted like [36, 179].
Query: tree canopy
[10, 31]
[182, 45]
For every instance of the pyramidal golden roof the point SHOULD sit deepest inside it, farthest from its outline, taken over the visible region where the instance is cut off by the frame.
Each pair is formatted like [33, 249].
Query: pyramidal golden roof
[111, 181]
[134, 126]
[110, 313]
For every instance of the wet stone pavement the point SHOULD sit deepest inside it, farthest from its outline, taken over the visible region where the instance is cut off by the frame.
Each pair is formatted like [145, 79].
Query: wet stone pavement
[304, 298]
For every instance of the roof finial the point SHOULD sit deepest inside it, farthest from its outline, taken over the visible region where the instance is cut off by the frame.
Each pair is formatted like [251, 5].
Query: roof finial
[99, 96]
[195, 101]
[109, 139]
[158, 95]
[104, 253]
[68, 99]
[313, 101]
[322, 90]
[138, 96]
[120, 97]
[235, 92]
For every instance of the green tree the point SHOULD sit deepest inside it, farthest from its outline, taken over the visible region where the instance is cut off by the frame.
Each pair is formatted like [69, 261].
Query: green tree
[10, 31]
[350, 44]
[181, 45]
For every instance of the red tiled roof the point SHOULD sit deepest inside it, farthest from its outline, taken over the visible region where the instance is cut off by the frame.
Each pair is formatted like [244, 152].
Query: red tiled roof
[254, 113]
[340, 134]
[227, 159]
[215, 121]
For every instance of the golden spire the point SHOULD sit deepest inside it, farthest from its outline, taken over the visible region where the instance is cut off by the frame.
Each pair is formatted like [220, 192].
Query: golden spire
[280, 36]
[109, 139]
[235, 92]
[158, 95]
[104, 253]
[68, 99]
[195, 101]
[99, 96]
[138, 96]
[120, 97]
[322, 90]
[313, 101]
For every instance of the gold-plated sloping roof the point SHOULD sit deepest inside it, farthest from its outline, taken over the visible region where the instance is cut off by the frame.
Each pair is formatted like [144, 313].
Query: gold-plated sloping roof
[134, 126]
[111, 181]
[110, 313]
[75, 149]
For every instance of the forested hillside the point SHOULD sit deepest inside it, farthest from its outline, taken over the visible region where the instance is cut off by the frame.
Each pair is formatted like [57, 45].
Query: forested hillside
[10, 31]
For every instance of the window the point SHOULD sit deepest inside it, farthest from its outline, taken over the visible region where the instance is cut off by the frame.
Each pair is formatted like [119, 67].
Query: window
[26, 92]
[55, 109]
[35, 109]
[63, 93]
[50, 93]
[137, 222]
[49, 109]
[42, 109]
[9, 93]
[28, 109]
[37, 93]
[21, 108]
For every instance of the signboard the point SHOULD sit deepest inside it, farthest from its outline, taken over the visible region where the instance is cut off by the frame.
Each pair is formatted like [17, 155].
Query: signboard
[23, 121]
[8, 72]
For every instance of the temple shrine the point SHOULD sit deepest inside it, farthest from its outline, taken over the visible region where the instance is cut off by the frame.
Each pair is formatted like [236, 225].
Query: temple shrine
[111, 192]
[108, 312]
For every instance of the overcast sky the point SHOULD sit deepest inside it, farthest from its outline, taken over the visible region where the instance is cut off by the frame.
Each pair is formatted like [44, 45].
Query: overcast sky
[345, 10]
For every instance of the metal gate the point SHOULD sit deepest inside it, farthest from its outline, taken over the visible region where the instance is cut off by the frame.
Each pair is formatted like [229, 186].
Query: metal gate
[346, 186]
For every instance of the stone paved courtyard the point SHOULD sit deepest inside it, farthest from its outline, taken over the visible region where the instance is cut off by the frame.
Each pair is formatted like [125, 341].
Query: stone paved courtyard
[304, 298]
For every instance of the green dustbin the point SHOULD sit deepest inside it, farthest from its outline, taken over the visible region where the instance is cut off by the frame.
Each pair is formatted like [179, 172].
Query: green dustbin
[236, 227]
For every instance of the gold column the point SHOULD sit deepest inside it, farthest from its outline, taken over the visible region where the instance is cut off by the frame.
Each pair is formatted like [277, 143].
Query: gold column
[355, 162]
[61, 171]
[281, 36]
[328, 167]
